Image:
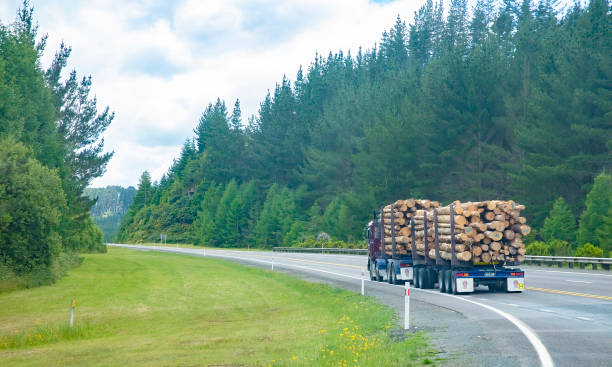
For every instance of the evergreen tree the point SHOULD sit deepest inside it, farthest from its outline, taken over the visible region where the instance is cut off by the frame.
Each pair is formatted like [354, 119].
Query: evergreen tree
[597, 205]
[560, 223]
[604, 232]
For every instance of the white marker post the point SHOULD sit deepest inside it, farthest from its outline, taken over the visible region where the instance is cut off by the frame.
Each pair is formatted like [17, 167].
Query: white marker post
[363, 282]
[72, 312]
[204, 249]
[407, 306]
[272, 264]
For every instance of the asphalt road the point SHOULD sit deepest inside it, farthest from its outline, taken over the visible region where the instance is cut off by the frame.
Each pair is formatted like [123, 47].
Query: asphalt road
[564, 314]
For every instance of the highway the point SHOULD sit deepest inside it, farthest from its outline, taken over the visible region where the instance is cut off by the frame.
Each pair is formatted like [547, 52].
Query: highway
[563, 318]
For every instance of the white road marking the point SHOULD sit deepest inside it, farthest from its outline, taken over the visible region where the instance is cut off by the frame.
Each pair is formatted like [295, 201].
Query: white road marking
[483, 299]
[546, 310]
[512, 304]
[543, 355]
[572, 272]
[584, 318]
[578, 281]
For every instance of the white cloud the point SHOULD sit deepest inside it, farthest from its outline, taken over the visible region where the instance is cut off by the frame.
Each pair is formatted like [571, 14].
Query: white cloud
[157, 64]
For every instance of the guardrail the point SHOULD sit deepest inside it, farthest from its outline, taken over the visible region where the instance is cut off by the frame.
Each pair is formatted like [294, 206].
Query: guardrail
[318, 250]
[529, 259]
[570, 260]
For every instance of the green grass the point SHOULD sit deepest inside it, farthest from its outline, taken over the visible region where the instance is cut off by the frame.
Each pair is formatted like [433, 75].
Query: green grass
[159, 309]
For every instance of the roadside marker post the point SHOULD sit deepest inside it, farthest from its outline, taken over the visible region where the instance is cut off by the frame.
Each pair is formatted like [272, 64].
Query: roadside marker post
[363, 282]
[272, 264]
[72, 312]
[407, 306]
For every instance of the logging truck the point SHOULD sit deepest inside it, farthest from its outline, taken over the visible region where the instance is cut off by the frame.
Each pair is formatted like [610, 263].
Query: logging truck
[423, 244]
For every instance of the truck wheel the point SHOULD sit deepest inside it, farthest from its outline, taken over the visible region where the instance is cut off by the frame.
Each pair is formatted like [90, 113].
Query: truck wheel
[448, 279]
[417, 277]
[433, 277]
[425, 278]
[372, 272]
[442, 281]
[454, 284]
[390, 274]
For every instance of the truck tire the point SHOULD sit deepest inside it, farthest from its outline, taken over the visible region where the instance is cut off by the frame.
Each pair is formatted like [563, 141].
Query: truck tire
[433, 278]
[442, 281]
[417, 277]
[390, 271]
[425, 278]
[453, 284]
[448, 279]
[372, 271]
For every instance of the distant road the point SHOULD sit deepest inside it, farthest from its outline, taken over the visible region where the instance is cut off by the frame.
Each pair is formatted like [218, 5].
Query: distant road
[565, 313]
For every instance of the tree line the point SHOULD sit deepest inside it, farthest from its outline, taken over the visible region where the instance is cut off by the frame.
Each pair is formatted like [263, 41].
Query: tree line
[50, 150]
[508, 101]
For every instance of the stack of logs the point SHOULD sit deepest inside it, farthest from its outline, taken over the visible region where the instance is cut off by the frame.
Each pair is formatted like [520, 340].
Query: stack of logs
[403, 211]
[485, 232]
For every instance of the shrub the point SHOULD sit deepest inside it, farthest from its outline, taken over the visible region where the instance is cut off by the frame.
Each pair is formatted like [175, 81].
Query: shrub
[538, 248]
[560, 248]
[588, 250]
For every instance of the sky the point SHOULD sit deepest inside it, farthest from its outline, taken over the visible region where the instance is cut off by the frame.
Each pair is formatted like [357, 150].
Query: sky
[157, 64]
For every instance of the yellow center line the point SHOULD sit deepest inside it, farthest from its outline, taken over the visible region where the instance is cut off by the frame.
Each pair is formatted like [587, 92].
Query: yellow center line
[567, 293]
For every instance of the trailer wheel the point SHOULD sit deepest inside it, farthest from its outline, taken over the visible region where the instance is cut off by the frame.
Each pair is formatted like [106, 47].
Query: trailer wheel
[433, 277]
[390, 272]
[448, 278]
[417, 277]
[442, 281]
[454, 284]
[425, 279]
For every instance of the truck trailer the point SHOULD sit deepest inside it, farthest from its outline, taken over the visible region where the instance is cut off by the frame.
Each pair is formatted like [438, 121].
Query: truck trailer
[449, 276]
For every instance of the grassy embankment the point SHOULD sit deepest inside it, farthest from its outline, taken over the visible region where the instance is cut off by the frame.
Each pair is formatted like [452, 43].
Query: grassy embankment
[158, 309]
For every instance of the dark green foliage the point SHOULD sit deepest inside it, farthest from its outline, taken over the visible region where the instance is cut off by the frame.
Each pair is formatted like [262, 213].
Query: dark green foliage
[50, 133]
[512, 103]
[560, 223]
[560, 248]
[604, 232]
[31, 205]
[597, 206]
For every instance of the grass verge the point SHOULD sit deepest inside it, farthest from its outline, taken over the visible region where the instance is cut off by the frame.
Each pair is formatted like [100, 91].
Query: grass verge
[159, 309]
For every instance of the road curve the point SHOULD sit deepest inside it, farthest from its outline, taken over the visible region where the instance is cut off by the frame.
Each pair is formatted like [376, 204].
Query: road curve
[564, 314]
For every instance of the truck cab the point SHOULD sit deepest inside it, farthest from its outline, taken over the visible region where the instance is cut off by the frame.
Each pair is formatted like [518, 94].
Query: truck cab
[382, 266]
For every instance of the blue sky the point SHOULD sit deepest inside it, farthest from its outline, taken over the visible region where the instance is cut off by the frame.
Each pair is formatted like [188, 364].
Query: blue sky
[157, 63]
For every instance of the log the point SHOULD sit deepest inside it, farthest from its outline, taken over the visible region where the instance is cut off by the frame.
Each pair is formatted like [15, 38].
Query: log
[484, 247]
[489, 216]
[523, 229]
[509, 234]
[476, 251]
[495, 246]
[398, 239]
[485, 257]
[461, 256]
[447, 247]
[494, 235]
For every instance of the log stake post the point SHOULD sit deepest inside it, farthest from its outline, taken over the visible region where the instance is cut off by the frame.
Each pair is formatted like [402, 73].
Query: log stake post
[392, 231]
[383, 253]
[452, 227]
[436, 242]
[427, 259]
[412, 243]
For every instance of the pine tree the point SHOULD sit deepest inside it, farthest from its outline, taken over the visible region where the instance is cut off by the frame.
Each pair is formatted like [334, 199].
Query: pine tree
[560, 223]
[604, 232]
[597, 205]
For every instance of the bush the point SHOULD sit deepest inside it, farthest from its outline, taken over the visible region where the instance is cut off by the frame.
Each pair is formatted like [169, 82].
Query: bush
[588, 250]
[538, 248]
[560, 248]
